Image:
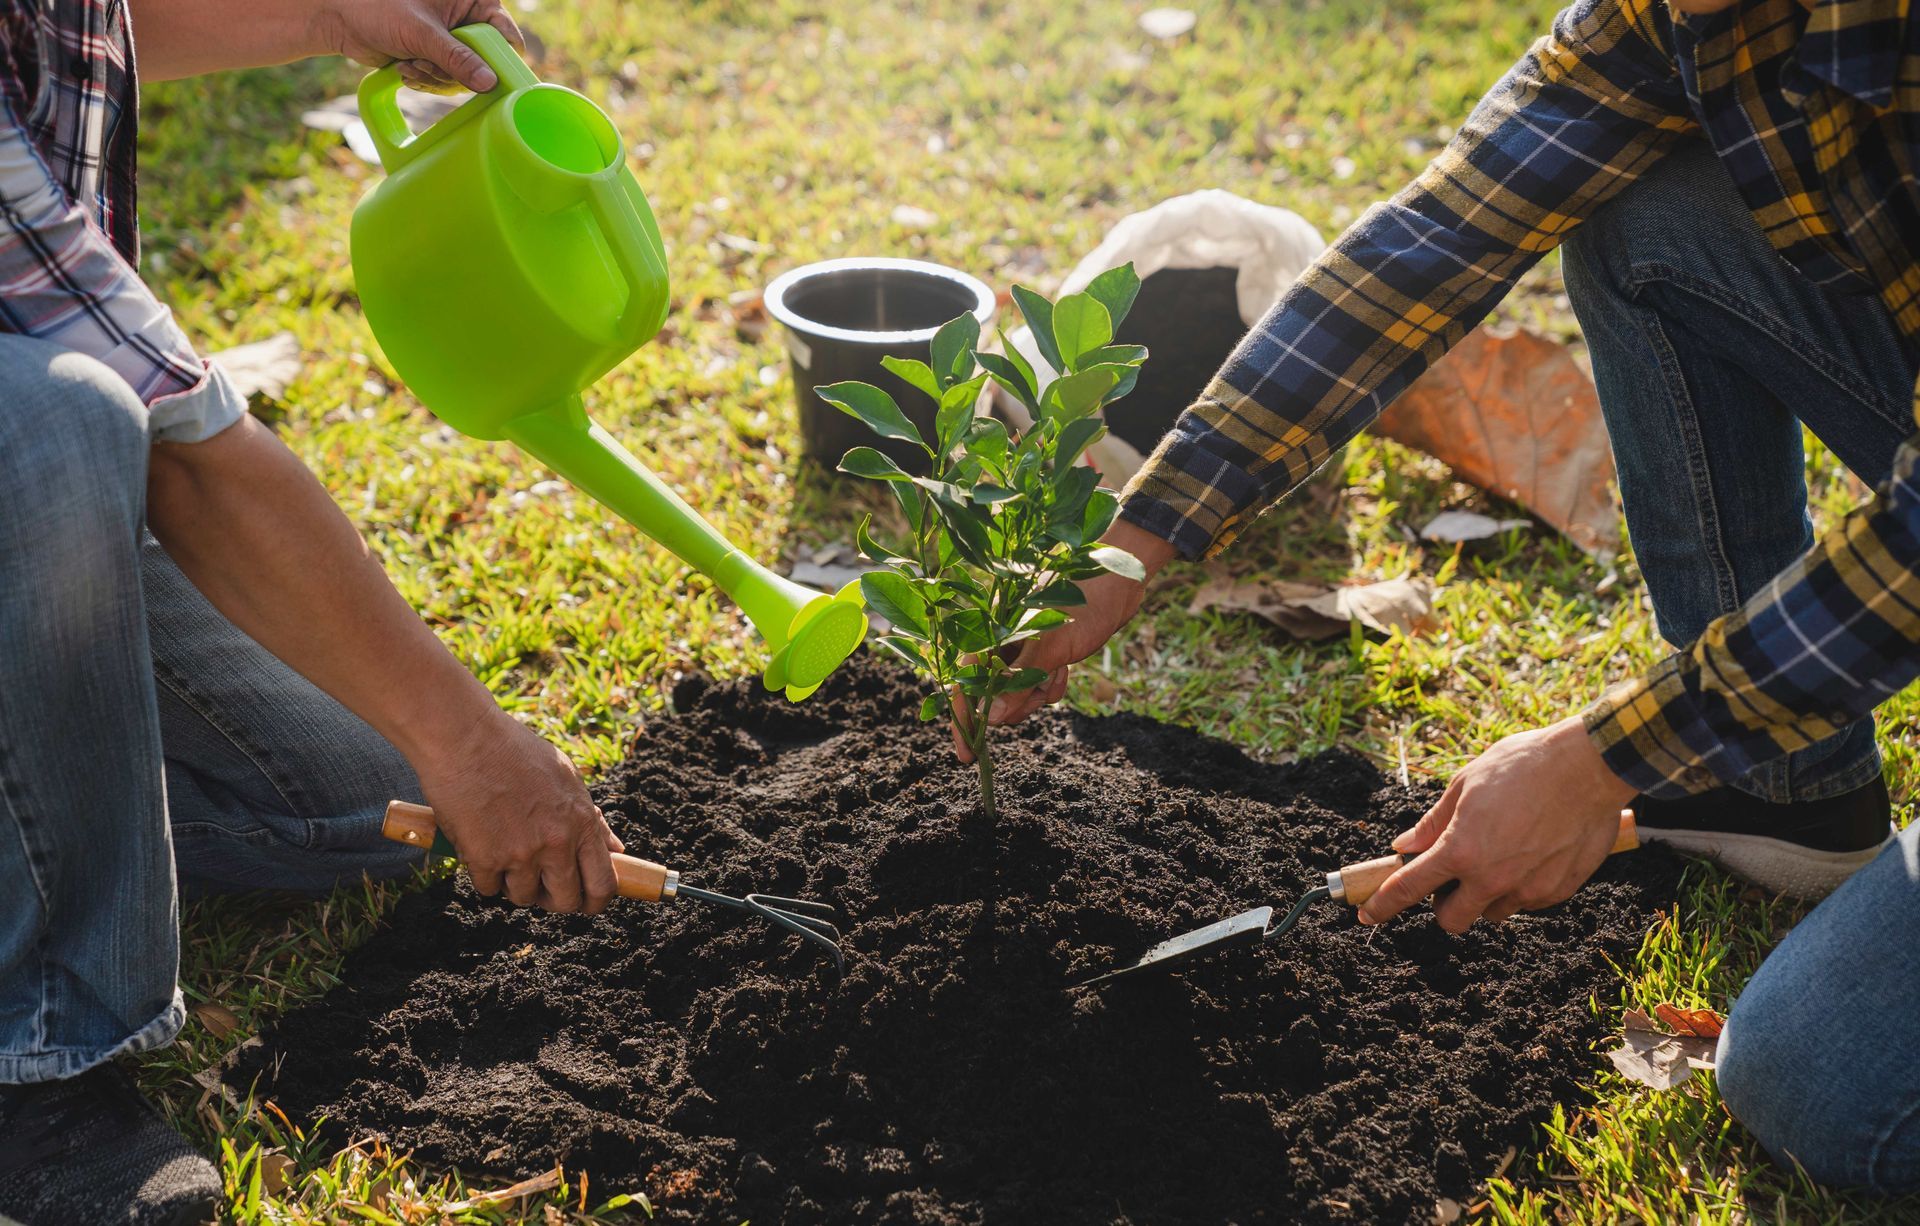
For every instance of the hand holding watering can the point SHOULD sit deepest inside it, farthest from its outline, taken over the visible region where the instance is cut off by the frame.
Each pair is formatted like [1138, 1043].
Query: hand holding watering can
[506, 263]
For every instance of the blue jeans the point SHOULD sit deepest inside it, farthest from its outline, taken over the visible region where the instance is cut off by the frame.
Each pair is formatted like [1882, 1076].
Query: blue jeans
[1818, 1056]
[141, 734]
[1710, 354]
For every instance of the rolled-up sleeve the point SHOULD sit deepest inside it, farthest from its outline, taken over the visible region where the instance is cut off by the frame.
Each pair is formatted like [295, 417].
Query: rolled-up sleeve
[62, 280]
[1833, 636]
[1581, 116]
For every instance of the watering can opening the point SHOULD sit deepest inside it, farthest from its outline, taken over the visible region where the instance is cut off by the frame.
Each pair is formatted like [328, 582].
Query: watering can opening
[565, 130]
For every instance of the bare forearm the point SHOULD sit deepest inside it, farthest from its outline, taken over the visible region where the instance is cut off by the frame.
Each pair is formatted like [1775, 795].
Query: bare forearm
[185, 38]
[257, 533]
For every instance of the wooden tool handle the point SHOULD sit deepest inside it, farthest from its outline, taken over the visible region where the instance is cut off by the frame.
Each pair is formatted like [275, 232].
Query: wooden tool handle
[1355, 883]
[635, 878]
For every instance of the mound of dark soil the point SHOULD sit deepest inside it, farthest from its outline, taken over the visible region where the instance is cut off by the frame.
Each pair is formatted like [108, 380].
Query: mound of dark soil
[1337, 1074]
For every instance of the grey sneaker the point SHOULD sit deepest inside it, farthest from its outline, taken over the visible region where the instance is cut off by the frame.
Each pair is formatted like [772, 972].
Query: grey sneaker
[93, 1149]
[1804, 849]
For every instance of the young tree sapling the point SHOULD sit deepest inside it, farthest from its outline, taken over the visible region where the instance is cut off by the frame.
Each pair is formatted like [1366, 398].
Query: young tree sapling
[1005, 524]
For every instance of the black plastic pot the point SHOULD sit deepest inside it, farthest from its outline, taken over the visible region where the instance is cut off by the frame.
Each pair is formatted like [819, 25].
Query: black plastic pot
[842, 317]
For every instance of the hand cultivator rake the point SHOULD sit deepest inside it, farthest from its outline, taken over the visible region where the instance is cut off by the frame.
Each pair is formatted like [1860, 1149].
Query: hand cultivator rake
[645, 881]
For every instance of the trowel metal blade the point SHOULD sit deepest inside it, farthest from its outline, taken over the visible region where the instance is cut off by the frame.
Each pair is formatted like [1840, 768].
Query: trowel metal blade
[1246, 928]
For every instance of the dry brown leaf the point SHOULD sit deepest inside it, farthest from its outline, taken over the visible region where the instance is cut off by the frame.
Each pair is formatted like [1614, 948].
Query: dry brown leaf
[526, 1187]
[1511, 412]
[219, 1020]
[1308, 611]
[1702, 1023]
[1658, 1058]
[276, 1172]
[263, 368]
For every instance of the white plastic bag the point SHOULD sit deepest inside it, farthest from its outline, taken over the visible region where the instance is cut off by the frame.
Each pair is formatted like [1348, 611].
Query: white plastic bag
[1269, 246]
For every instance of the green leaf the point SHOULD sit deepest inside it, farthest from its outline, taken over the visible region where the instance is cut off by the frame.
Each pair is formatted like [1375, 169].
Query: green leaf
[1071, 489]
[1115, 289]
[967, 526]
[970, 631]
[905, 650]
[1117, 560]
[1042, 619]
[890, 594]
[986, 439]
[1119, 355]
[1023, 679]
[871, 549]
[1020, 364]
[1076, 437]
[941, 489]
[915, 372]
[869, 404]
[956, 410]
[866, 462]
[1076, 395]
[1039, 315]
[1080, 325]
[953, 347]
[1102, 508]
[1124, 377]
[986, 494]
[1060, 594]
[931, 707]
[911, 504]
[1007, 375]
[1078, 508]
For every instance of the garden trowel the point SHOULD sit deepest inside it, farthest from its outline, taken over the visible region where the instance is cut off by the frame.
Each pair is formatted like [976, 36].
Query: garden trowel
[1352, 884]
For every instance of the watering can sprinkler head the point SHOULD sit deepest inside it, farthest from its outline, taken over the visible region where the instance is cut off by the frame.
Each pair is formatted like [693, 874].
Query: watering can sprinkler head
[509, 260]
[821, 633]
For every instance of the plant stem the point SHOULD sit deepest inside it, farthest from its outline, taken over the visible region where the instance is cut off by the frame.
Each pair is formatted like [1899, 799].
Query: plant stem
[983, 761]
[973, 730]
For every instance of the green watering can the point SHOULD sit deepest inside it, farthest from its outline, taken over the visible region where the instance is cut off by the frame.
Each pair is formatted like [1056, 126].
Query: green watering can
[507, 261]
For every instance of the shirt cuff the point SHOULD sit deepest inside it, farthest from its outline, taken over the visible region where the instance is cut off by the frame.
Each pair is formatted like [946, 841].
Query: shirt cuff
[200, 412]
[1634, 725]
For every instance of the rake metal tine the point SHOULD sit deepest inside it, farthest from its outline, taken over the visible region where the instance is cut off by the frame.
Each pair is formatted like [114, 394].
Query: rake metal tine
[804, 927]
[800, 906]
[778, 905]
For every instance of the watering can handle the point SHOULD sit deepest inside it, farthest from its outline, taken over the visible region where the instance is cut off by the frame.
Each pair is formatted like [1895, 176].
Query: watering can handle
[380, 92]
[626, 220]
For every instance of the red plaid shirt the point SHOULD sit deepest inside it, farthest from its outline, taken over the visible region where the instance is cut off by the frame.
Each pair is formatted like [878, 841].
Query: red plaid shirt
[69, 238]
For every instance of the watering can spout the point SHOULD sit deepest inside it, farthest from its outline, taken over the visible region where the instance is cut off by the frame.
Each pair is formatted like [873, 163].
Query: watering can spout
[809, 633]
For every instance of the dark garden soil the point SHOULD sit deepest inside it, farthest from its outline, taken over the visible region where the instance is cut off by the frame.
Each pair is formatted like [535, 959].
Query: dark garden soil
[1334, 1075]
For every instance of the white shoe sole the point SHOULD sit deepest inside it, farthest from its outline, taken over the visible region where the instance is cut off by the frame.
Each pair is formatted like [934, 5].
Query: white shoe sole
[1772, 864]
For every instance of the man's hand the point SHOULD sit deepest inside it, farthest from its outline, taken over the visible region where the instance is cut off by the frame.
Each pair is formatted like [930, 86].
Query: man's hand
[1112, 601]
[415, 33]
[1520, 828]
[185, 38]
[520, 818]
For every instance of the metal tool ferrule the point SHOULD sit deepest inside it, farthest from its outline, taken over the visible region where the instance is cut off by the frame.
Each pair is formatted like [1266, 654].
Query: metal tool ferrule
[1336, 888]
[671, 885]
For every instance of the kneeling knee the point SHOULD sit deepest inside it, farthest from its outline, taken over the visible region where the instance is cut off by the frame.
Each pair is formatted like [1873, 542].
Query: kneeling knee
[1798, 1088]
[76, 434]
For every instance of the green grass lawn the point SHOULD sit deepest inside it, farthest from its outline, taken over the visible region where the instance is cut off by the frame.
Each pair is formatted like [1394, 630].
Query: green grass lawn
[774, 133]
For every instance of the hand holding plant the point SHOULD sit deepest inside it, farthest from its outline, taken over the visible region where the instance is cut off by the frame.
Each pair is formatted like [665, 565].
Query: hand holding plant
[1005, 526]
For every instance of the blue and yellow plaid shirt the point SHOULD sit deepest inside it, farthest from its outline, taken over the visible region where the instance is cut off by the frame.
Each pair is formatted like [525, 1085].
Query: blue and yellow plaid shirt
[1810, 111]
